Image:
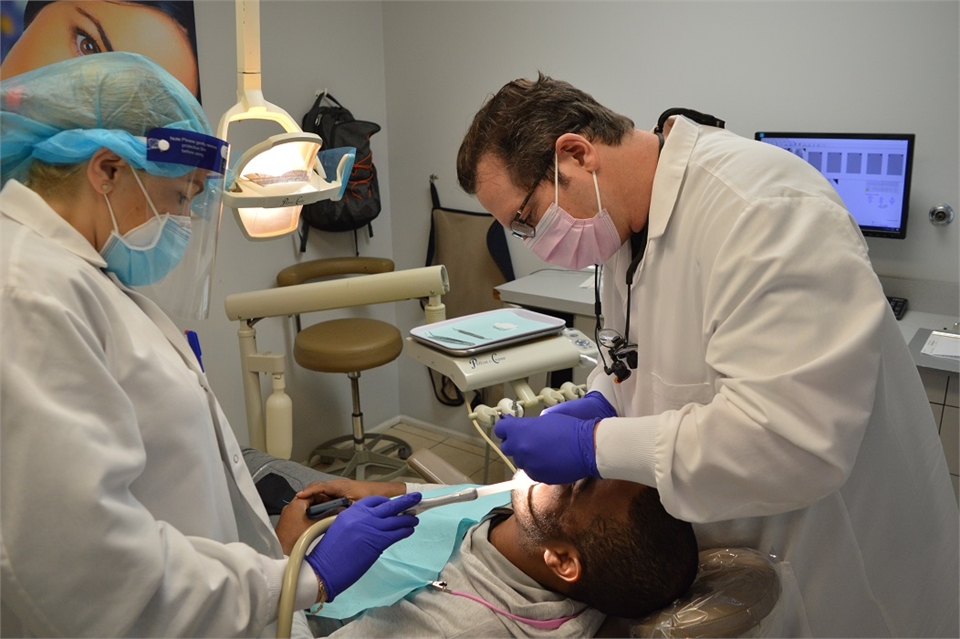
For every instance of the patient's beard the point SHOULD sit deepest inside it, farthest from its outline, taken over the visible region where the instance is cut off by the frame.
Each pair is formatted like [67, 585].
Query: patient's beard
[535, 527]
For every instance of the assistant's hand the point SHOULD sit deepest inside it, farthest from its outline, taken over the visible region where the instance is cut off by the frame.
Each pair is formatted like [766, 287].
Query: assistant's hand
[321, 491]
[553, 449]
[358, 536]
[592, 405]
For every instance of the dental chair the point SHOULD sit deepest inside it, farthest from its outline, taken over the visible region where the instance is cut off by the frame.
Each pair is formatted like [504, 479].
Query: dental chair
[349, 345]
[736, 594]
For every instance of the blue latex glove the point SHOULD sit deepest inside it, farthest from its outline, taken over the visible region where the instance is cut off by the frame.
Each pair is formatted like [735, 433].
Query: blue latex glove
[553, 449]
[357, 538]
[593, 404]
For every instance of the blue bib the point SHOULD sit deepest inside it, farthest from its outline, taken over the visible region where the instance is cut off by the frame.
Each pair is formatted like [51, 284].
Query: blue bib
[417, 560]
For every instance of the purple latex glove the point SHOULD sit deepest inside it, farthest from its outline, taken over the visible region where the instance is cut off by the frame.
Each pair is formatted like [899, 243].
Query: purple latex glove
[592, 405]
[357, 538]
[553, 449]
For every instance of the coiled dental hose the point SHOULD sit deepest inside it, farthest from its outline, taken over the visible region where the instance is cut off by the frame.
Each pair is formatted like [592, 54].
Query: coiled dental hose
[291, 576]
[488, 416]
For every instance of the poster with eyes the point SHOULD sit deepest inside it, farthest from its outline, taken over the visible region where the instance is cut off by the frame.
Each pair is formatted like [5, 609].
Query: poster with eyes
[34, 33]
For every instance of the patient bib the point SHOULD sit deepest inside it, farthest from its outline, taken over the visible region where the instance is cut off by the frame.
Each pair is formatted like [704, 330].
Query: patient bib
[416, 561]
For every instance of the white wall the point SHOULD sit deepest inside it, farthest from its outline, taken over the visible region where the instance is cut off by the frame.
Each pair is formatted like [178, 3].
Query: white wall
[819, 66]
[422, 69]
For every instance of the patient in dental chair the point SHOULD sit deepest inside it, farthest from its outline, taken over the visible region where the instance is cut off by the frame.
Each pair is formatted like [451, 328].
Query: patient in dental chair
[553, 564]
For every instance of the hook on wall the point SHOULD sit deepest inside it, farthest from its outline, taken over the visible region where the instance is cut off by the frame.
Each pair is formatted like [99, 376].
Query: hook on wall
[941, 215]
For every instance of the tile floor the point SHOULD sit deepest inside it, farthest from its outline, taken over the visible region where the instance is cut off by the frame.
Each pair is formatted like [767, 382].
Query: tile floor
[466, 455]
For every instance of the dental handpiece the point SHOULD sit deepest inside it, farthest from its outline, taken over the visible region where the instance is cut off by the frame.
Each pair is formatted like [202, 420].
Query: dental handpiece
[467, 494]
[314, 511]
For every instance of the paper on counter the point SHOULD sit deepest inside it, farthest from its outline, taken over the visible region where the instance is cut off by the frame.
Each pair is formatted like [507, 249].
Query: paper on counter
[941, 344]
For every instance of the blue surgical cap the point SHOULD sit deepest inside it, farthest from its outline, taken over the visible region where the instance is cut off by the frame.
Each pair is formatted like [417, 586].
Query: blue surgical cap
[64, 112]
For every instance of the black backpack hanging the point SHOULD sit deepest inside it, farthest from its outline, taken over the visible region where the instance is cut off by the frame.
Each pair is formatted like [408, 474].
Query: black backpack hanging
[360, 203]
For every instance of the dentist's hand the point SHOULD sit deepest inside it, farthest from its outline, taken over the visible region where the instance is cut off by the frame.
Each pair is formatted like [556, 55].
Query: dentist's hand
[553, 449]
[358, 536]
[593, 404]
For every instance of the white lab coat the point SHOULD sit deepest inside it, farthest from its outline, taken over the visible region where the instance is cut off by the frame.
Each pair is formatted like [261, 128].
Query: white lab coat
[127, 508]
[776, 403]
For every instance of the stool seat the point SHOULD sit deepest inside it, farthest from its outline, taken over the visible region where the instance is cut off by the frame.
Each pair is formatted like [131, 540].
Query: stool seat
[347, 345]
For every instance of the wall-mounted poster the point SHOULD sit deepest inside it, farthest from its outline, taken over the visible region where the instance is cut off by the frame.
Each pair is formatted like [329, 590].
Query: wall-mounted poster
[34, 33]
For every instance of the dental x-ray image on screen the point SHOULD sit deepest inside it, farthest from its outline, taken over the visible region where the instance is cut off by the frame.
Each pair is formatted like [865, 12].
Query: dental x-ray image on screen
[870, 171]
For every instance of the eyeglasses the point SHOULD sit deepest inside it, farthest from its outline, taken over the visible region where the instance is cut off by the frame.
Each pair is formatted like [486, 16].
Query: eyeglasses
[520, 227]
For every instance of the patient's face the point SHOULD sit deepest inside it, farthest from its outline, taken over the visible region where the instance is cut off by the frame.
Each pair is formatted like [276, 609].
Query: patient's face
[540, 508]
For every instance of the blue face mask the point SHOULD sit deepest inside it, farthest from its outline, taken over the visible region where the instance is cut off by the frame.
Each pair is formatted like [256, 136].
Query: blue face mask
[147, 253]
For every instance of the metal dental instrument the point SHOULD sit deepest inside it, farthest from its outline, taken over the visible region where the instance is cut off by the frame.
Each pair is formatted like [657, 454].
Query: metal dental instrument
[467, 494]
[460, 330]
[450, 340]
[520, 479]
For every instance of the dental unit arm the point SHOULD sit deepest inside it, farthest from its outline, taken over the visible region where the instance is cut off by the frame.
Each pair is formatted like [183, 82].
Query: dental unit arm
[513, 364]
[273, 433]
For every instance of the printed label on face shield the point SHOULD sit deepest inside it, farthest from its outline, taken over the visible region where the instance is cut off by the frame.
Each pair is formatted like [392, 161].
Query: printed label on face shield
[175, 146]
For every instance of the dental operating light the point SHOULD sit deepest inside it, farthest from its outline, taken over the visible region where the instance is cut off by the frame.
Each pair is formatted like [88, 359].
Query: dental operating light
[275, 178]
[272, 181]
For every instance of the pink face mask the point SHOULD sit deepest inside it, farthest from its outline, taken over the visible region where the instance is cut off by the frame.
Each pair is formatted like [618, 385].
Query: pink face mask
[565, 241]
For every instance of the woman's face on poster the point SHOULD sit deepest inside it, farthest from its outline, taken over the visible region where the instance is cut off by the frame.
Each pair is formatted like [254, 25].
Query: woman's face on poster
[63, 30]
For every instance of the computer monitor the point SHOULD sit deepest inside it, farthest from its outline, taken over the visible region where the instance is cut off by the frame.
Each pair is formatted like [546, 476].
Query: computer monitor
[870, 171]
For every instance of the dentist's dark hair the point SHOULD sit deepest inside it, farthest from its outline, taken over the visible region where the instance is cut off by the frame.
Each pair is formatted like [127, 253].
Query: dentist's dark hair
[521, 124]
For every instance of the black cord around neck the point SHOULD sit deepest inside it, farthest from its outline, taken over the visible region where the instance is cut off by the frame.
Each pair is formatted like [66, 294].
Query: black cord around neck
[638, 245]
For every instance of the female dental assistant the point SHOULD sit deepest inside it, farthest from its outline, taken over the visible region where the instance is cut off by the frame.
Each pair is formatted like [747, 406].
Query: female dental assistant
[757, 377]
[127, 509]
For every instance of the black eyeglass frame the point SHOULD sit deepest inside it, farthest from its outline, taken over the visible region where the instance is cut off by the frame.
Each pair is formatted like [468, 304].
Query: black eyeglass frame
[520, 227]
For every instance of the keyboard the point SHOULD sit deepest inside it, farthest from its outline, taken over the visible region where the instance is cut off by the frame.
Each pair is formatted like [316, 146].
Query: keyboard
[899, 306]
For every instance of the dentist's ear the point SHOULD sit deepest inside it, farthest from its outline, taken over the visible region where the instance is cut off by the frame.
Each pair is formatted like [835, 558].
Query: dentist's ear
[563, 560]
[575, 146]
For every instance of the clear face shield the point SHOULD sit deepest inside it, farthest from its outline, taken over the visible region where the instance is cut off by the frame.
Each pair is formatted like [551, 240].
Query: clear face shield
[185, 182]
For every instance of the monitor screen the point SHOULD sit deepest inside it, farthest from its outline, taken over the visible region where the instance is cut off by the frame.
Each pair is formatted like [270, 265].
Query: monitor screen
[870, 171]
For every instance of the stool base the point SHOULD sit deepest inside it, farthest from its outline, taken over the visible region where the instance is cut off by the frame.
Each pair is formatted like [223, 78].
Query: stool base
[375, 454]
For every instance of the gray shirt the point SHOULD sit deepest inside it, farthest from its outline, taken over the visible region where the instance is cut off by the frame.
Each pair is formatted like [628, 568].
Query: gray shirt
[479, 569]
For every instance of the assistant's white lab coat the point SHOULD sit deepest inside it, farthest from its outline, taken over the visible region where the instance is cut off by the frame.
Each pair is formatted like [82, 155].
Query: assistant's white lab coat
[775, 396]
[127, 508]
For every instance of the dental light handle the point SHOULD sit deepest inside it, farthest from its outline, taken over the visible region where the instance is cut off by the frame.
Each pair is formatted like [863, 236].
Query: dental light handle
[291, 576]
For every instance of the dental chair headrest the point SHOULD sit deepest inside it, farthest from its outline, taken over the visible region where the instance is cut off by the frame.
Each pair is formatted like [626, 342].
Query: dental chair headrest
[735, 589]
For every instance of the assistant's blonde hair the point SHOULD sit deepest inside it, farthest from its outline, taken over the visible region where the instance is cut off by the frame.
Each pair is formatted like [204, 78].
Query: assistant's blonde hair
[53, 179]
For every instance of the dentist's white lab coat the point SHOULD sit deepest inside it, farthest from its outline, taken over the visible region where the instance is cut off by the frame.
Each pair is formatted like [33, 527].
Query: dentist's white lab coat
[125, 496]
[775, 395]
